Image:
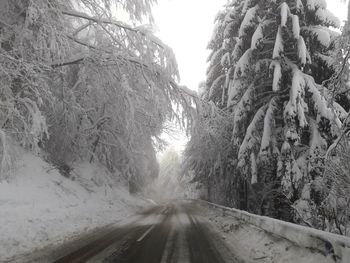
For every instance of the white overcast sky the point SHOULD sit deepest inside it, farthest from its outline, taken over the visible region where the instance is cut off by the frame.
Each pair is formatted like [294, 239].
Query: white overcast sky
[187, 25]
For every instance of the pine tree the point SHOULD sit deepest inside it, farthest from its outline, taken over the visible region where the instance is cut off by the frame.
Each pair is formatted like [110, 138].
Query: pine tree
[269, 66]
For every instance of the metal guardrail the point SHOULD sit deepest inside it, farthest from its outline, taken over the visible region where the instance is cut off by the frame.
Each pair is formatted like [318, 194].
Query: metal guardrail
[336, 247]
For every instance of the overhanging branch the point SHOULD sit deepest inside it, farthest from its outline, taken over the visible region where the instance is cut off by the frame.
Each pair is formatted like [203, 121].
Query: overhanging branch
[183, 90]
[98, 20]
[119, 24]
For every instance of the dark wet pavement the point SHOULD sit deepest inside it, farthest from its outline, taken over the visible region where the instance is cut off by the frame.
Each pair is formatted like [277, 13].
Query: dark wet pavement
[164, 234]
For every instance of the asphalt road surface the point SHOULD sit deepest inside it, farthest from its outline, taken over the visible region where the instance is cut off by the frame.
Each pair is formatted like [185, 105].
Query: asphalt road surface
[164, 234]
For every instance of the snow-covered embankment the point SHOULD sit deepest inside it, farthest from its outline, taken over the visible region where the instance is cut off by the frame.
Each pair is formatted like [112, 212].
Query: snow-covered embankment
[40, 207]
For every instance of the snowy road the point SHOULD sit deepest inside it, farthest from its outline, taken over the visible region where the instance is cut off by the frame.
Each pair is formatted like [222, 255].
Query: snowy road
[166, 234]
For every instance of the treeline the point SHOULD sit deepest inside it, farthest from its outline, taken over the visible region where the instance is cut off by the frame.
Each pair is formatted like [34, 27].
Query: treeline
[78, 84]
[272, 133]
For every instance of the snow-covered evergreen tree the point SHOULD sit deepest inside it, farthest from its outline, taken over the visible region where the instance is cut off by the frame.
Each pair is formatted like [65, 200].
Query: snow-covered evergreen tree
[269, 64]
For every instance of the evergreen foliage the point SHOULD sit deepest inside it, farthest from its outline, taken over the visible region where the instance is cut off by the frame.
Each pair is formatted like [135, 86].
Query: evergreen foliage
[270, 72]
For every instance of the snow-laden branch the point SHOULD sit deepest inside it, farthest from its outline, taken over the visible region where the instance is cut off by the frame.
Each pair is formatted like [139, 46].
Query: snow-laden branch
[116, 23]
[98, 20]
[78, 60]
[185, 90]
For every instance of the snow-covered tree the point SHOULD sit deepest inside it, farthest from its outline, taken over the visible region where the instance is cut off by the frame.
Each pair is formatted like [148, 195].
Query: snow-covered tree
[207, 154]
[79, 83]
[269, 67]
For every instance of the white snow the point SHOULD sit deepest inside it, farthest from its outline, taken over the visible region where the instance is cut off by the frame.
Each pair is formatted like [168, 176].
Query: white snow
[277, 75]
[242, 64]
[284, 13]
[285, 147]
[248, 19]
[257, 37]
[241, 109]
[251, 138]
[319, 101]
[40, 207]
[268, 126]
[254, 178]
[296, 26]
[235, 88]
[322, 36]
[296, 105]
[278, 48]
[321, 3]
[302, 52]
[234, 91]
[328, 17]
[291, 176]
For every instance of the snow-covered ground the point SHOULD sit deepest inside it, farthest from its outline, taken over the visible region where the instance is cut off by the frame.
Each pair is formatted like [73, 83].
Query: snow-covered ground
[253, 244]
[40, 207]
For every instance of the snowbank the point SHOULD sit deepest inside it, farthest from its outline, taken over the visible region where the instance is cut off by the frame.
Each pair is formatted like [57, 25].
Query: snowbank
[41, 207]
[334, 247]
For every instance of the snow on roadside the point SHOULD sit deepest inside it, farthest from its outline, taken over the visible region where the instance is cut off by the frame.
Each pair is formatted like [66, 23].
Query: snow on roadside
[41, 207]
[256, 245]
